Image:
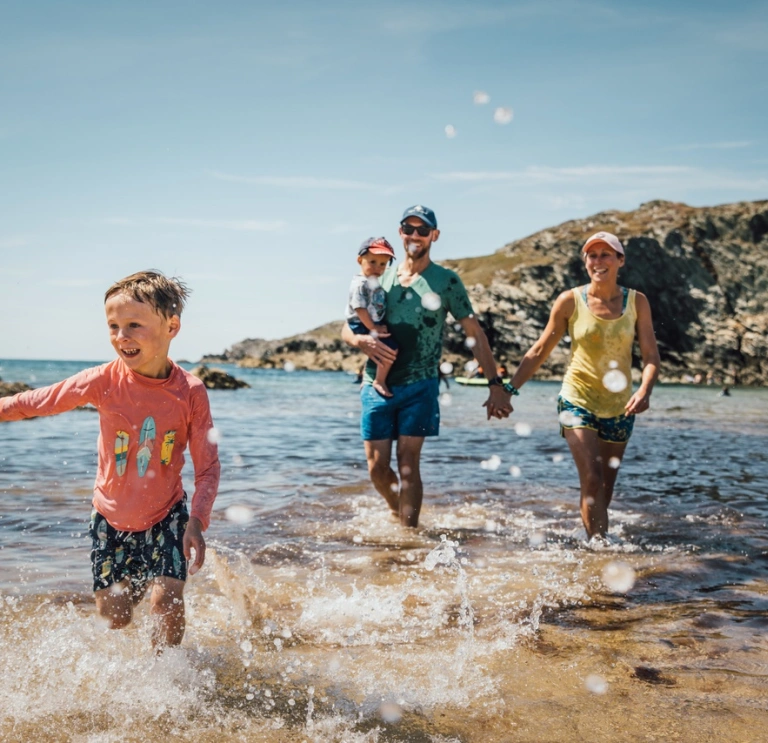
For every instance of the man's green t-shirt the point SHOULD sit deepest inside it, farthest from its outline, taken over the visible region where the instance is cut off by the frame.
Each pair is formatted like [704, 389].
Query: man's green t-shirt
[416, 317]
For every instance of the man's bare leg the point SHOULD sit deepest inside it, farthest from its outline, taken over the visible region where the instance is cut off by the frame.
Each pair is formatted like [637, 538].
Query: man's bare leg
[411, 488]
[379, 456]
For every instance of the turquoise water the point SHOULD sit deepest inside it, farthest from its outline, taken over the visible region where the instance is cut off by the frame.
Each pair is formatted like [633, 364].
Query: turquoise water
[362, 630]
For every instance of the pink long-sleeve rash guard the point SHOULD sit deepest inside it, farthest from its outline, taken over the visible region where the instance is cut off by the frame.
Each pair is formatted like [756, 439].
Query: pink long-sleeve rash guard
[145, 426]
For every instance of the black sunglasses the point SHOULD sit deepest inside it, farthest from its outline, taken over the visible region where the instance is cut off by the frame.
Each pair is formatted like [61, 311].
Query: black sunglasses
[409, 229]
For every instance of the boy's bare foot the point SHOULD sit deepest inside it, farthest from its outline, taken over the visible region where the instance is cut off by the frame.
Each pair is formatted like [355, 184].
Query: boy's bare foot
[381, 389]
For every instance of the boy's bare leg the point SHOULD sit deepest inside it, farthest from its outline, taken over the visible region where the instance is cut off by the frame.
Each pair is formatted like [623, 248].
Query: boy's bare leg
[168, 612]
[115, 604]
[411, 488]
[380, 382]
[379, 455]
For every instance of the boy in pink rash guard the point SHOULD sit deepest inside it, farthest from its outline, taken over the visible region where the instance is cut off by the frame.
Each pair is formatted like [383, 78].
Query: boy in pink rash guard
[150, 411]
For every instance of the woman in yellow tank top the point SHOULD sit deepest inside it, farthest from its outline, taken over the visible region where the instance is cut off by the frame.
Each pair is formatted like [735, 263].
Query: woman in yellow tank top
[596, 405]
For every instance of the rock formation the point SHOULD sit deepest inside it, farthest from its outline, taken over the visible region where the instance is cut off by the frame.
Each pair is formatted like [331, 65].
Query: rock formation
[216, 379]
[704, 270]
[11, 388]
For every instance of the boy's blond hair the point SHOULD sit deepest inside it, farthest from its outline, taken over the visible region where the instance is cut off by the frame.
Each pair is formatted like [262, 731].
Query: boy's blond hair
[164, 295]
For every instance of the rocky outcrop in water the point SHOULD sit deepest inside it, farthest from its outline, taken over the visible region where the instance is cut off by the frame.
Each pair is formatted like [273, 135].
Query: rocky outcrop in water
[704, 270]
[216, 379]
[11, 388]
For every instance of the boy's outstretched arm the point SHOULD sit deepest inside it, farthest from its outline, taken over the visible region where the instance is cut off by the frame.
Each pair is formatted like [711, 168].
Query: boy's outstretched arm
[56, 398]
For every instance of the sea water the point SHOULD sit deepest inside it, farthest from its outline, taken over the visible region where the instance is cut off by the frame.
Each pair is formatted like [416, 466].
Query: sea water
[318, 618]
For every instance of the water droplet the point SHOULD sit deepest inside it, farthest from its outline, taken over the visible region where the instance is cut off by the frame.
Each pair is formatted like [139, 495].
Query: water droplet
[446, 399]
[390, 712]
[446, 368]
[492, 463]
[613, 364]
[471, 366]
[614, 463]
[409, 295]
[286, 633]
[238, 514]
[357, 539]
[246, 646]
[523, 429]
[291, 702]
[615, 381]
[373, 282]
[214, 435]
[278, 643]
[450, 131]
[596, 684]
[249, 697]
[515, 471]
[289, 366]
[503, 115]
[537, 539]
[569, 419]
[480, 98]
[470, 342]
[557, 458]
[431, 301]
[619, 576]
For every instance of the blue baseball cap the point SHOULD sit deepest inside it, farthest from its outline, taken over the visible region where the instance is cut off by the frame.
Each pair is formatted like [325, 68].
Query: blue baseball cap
[424, 213]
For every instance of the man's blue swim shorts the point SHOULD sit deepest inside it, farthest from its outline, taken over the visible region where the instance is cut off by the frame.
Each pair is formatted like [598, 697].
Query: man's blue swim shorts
[413, 410]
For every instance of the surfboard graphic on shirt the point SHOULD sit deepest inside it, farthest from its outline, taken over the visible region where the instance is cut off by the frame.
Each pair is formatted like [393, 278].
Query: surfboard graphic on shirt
[121, 452]
[167, 448]
[146, 442]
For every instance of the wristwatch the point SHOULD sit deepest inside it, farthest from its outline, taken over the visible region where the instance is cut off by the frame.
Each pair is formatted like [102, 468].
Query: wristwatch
[506, 386]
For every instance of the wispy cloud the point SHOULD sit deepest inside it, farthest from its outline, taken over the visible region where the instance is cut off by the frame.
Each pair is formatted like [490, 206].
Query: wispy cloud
[680, 178]
[72, 283]
[347, 229]
[14, 242]
[239, 225]
[301, 182]
[539, 174]
[711, 146]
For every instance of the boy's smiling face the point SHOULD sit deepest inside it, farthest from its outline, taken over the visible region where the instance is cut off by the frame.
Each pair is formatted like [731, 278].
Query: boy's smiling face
[140, 335]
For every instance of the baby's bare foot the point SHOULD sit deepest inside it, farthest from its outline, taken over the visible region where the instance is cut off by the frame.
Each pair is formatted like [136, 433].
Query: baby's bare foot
[381, 389]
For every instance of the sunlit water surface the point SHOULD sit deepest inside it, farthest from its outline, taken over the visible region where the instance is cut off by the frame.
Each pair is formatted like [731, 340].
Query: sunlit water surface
[317, 618]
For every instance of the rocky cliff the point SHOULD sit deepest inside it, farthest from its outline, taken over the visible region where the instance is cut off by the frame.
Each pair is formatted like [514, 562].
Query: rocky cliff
[704, 270]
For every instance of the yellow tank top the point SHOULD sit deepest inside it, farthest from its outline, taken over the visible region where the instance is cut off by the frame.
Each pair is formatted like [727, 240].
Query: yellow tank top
[599, 348]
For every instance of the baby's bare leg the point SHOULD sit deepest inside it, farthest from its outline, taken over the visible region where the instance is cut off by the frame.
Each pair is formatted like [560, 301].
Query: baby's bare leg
[380, 382]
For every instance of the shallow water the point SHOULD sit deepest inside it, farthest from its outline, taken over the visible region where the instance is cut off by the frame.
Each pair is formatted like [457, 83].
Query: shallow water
[320, 619]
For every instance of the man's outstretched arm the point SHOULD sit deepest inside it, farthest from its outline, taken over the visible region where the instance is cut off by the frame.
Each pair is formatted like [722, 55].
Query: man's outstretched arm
[498, 404]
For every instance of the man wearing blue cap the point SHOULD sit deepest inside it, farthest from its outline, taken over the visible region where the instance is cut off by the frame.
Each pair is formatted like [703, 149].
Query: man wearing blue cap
[420, 294]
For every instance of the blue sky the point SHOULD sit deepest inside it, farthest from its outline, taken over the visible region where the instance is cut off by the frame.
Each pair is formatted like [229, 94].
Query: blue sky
[249, 147]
